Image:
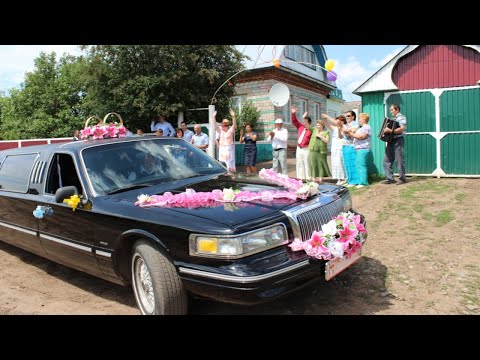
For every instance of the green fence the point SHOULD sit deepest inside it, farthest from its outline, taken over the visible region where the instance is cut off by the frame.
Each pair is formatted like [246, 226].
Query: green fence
[264, 152]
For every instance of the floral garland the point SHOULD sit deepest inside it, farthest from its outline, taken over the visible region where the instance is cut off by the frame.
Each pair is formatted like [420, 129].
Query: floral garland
[190, 198]
[339, 237]
[104, 131]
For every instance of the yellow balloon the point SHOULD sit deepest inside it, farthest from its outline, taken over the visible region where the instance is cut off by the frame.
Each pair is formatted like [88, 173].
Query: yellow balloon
[329, 65]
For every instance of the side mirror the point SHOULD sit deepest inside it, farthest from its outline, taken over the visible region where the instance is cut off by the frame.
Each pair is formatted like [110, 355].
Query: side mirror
[64, 193]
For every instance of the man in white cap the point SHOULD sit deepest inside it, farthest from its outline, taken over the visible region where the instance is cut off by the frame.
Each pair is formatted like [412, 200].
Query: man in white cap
[279, 137]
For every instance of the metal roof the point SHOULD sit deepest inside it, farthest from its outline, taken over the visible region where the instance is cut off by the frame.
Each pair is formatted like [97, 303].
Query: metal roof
[382, 79]
[261, 56]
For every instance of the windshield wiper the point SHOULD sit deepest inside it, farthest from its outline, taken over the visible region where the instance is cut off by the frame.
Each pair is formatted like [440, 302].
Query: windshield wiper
[128, 188]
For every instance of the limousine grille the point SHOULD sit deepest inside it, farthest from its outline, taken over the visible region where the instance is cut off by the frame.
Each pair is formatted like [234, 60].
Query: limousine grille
[309, 217]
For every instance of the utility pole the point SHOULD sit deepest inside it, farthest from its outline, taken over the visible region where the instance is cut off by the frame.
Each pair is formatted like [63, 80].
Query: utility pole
[212, 125]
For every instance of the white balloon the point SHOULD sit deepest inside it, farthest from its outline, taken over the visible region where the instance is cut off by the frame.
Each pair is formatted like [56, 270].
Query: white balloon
[279, 94]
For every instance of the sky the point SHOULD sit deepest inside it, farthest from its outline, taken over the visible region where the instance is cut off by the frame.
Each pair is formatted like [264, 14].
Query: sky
[356, 63]
[353, 63]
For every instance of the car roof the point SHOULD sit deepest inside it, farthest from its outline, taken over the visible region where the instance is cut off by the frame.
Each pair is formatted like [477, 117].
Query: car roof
[77, 146]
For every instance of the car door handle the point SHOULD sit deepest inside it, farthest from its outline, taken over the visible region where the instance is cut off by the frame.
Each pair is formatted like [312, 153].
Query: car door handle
[41, 211]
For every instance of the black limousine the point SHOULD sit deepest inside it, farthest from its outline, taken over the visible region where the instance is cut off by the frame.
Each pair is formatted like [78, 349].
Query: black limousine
[76, 203]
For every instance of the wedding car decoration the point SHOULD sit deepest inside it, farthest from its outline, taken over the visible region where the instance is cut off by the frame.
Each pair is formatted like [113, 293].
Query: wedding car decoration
[191, 198]
[103, 129]
[340, 236]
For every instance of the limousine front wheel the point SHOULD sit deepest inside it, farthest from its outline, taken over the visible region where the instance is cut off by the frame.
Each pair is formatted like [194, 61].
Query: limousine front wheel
[157, 287]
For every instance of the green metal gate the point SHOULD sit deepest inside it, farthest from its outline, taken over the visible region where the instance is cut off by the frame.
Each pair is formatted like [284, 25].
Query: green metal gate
[443, 130]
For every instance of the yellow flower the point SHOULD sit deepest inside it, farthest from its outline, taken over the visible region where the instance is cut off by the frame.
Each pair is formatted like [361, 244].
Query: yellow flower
[72, 202]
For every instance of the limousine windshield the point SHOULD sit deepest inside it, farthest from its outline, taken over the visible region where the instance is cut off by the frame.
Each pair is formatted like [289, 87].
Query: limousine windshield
[144, 162]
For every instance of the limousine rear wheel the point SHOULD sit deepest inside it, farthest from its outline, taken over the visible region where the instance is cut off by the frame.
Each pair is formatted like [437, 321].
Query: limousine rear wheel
[156, 284]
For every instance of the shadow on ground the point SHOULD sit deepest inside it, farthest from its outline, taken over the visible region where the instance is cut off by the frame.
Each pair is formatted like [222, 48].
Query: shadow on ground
[359, 290]
[99, 287]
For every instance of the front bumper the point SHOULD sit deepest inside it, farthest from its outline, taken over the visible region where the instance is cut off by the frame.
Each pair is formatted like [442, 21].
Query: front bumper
[253, 289]
[254, 279]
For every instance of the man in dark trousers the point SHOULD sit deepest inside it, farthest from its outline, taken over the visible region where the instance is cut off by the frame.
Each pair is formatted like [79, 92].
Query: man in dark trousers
[395, 149]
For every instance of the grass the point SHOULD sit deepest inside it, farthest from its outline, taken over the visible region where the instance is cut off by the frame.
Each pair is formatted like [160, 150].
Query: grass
[459, 197]
[444, 217]
[411, 191]
[471, 297]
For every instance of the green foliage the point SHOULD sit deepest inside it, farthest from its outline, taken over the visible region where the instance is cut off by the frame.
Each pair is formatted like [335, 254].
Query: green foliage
[444, 217]
[248, 115]
[142, 81]
[137, 81]
[48, 103]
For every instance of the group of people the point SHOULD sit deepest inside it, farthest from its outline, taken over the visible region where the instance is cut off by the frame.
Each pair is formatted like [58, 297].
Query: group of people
[224, 137]
[350, 149]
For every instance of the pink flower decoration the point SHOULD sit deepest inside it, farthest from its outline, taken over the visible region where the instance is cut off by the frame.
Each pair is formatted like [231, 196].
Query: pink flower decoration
[122, 131]
[346, 234]
[99, 132]
[334, 244]
[112, 130]
[85, 133]
[297, 245]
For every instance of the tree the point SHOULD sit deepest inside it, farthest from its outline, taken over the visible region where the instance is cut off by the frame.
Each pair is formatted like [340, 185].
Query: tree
[142, 81]
[248, 115]
[48, 103]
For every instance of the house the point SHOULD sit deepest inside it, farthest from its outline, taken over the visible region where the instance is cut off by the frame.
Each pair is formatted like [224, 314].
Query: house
[438, 90]
[299, 69]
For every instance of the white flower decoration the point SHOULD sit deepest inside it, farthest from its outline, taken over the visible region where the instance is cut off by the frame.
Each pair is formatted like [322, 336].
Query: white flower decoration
[330, 228]
[228, 194]
[143, 198]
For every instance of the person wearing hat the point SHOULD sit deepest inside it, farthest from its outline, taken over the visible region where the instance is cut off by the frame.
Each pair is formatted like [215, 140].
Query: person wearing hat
[304, 134]
[279, 137]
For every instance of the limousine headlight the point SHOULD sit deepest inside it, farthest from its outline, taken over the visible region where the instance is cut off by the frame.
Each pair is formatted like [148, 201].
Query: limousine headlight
[236, 246]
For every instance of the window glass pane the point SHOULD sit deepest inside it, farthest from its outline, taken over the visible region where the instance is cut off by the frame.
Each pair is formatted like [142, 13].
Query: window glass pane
[112, 167]
[316, 114]
[303, 107]
[15, 172]
[286, 113]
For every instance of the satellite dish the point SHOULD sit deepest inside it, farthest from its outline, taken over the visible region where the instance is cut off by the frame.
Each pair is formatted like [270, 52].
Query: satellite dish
[279, 94]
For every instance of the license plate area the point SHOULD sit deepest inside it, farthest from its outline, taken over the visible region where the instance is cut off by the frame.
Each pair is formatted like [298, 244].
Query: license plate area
[336, 266]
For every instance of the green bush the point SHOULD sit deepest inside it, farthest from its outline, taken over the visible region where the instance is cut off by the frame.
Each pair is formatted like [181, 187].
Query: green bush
[249, 114]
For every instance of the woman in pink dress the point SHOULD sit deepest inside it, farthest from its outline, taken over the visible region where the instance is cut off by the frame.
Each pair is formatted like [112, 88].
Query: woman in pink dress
[226, 141]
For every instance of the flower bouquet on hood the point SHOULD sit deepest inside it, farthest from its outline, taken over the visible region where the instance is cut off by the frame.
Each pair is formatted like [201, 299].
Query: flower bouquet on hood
[340, 236]
[102, 129]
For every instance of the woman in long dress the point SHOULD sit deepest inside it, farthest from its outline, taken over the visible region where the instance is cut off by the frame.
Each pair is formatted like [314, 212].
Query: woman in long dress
[250, 149]
[336, 127]
[226, 141]
[318, 153]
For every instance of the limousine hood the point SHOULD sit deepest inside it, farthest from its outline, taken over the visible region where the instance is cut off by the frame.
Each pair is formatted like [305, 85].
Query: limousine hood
[236, 213]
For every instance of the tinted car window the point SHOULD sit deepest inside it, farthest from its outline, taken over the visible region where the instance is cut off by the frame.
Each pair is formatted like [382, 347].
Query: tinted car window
[114, 166]
[15, 172]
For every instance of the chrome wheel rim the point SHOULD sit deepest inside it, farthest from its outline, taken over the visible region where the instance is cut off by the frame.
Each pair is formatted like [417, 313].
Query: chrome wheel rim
[143, 285]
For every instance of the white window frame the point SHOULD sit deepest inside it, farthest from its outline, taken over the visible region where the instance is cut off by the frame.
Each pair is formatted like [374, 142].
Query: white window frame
[316, 112]
[303, 107]
[302, 54]
[287, 116]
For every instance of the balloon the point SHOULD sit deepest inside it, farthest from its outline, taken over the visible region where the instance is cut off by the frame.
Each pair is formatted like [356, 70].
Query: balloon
[331, 75]
[276, 63]
[329, 64]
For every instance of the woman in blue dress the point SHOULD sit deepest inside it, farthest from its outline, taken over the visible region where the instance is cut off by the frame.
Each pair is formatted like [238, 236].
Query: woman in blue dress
[250, 150]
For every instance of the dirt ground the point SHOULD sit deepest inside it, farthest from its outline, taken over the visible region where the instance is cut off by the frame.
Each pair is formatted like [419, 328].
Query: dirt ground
[422, 257]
